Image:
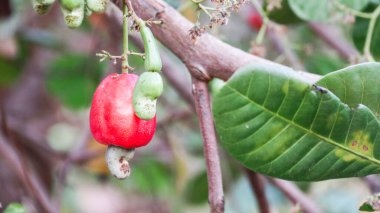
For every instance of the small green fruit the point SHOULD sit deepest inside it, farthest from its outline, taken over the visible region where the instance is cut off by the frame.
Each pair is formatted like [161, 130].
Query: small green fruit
[40, 8]
[97, 6]
[71, 4]
[74, 18]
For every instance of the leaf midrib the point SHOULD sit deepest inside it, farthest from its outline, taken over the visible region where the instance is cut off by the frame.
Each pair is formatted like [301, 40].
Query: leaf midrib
[328, 140]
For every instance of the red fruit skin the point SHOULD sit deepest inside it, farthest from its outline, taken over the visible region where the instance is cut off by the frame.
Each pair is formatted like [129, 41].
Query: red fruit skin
[112, 118]
[255, 20]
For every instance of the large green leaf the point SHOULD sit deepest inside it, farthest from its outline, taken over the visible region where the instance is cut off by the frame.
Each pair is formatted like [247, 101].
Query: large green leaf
[275, 123]
[311, 10]
[358, 84]
[322, 10]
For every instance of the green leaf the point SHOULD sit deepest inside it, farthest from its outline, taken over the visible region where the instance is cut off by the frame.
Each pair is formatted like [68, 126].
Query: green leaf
[275, 123]
[312, 10]
[73, 79]
[14, 208]
[322, 10]
[359, 33]
[152, 177]
[355, 4]
[196, 190]
[9, 72]
[358, 84]
[283, 14]
[366, 207]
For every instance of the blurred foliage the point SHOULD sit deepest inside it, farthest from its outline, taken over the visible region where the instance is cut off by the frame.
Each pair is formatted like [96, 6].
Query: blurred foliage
[62, 137]
[366, 207]
[323, 10]
[197, 189]
[11, 68]
[283, 14]
[151, 177]
[174, 3]
[9, 71]
[14, 208]
[359, 33]
[135, 61]
[322, 64]
[317, 57]
[73, 78]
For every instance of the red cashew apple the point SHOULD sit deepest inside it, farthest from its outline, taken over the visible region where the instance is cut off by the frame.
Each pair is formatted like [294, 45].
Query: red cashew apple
[112, 118]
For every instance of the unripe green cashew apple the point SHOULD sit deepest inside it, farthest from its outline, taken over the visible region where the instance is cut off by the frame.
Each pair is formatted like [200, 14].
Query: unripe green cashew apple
[71, 4]
[98, 6]
[74, 17]
[112, 118]
[148, 88]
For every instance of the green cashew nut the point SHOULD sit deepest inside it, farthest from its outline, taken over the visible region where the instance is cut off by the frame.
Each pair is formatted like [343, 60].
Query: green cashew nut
[148, 88]
[42, 6]
[97, 6]
[152, 55]
[117, 161]
[71, 4]
[74, 18]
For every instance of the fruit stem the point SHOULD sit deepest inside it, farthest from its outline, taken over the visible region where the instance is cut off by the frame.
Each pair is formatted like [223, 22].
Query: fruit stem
[349, 10]
[125, 66]
[117, 161]
[264, 26]
[370, 32]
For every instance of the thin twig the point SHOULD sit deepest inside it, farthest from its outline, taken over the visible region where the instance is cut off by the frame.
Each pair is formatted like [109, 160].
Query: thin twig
[27, 177]
[174, 116]
[295, 195]
[328, 34]
[257, 184]
[373, 183]
[214, 174]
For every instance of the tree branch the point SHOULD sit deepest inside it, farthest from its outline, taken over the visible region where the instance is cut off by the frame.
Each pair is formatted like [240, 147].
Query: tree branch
[373, 183]
[208, 57]
[214, 174]
[295, 195]
[257, 183]
[27, 177]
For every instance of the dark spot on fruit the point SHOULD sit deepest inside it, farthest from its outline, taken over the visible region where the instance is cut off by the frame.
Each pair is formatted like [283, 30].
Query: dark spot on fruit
[124, 168]
[121, 159]
[115, 75]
